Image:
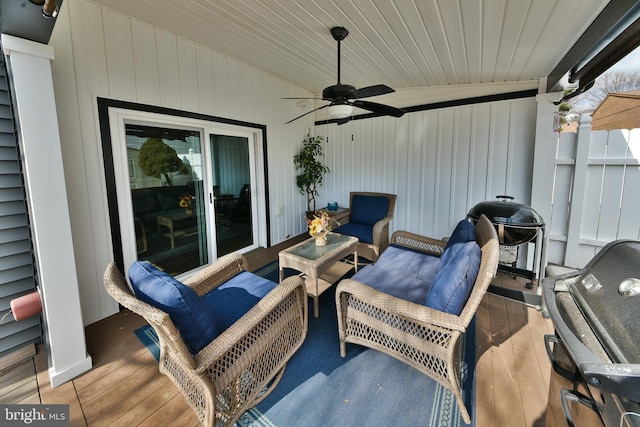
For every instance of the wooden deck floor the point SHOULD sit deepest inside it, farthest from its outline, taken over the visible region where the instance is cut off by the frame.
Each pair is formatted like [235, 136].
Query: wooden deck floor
[124, 388]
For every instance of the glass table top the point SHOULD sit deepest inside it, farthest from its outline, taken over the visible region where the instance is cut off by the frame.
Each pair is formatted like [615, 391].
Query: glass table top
[309, 250]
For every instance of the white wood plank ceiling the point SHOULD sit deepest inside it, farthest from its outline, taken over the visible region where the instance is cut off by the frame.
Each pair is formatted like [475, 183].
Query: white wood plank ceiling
[442, 45]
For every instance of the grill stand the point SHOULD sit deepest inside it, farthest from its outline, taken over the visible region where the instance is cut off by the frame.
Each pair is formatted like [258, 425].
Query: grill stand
[529, 298]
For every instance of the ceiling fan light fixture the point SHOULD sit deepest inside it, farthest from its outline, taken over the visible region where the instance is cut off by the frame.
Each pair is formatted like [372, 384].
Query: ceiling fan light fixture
[340, 111]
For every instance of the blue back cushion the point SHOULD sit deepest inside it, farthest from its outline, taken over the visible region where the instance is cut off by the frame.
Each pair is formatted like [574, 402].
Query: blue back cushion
[463, 233]
[453, 283]
[364, 232]
[195, 322]
[368, 209]
[237, 296]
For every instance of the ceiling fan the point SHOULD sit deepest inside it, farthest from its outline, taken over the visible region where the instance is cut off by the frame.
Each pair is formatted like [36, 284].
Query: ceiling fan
[344, 97]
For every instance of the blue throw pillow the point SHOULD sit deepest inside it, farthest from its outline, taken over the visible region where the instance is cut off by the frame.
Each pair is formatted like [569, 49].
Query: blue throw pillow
[368, 209]
[195, 322]
[454, 281]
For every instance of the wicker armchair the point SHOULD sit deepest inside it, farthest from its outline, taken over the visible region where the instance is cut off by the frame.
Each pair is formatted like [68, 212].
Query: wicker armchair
[244, 363]
[371, 246]
[427, 339]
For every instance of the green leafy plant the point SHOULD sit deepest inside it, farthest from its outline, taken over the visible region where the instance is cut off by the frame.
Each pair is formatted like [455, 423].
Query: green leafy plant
[158, 159]
[312, 170]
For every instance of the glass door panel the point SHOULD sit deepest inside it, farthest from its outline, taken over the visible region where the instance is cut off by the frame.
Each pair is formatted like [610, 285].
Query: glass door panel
[232, 193]
[167, 194]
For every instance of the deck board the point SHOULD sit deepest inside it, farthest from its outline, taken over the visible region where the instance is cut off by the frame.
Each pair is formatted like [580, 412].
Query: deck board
[125, 387]
[508, 402]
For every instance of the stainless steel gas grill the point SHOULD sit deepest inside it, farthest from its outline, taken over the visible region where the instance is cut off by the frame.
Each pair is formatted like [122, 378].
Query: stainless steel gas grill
[596, 315]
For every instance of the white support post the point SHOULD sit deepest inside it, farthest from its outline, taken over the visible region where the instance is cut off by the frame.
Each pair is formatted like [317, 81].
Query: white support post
[578, 191]
[544, 157]
[29, 66]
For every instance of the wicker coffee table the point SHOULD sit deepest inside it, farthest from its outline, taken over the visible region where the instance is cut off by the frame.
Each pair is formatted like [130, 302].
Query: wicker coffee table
[320, 263]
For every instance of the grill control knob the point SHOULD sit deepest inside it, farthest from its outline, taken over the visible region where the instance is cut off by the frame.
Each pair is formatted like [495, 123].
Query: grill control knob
[629, 287]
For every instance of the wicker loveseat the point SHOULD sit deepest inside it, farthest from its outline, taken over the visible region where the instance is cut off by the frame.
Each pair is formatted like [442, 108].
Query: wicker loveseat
[228, 363]
[419, 298]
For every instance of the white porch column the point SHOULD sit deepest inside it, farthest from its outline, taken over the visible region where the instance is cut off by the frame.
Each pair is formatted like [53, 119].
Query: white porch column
[30, 73]
[544, 158]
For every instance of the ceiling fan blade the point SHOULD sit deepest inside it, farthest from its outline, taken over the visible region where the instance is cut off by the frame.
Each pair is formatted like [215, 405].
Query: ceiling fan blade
[343, 121]
[303, 98]
[308, 112]
[379, 108]
[368, 91]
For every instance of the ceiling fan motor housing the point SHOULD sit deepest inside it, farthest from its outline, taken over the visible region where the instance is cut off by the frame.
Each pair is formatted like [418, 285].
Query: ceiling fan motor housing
[337, 92]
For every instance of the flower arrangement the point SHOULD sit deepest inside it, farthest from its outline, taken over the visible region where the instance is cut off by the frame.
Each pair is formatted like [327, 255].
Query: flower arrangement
[319, 224]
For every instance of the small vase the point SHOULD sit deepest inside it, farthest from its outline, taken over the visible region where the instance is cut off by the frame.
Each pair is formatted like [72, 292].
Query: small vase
[321, 239]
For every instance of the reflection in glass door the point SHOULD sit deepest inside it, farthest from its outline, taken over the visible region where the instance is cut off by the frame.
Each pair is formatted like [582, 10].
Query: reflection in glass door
[167, 194]
[232, 193]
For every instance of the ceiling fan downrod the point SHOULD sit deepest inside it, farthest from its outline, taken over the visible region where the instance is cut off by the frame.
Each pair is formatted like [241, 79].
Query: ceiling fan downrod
[339, 34]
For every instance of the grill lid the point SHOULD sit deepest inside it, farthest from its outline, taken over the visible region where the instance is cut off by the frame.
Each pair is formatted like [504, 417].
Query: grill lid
[515, 223]
[610, 309]
[506, 211]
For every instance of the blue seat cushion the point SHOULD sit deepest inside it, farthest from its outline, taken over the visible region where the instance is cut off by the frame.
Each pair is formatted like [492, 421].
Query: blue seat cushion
[394, 283]
[364, 232]
[195, 322]
[234, 298]
[368, 209]
[410, 263]
[453, 283]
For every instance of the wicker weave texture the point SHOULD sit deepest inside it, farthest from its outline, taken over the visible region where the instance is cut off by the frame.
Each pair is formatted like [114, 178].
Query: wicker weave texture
[244, 363]
[426, 339]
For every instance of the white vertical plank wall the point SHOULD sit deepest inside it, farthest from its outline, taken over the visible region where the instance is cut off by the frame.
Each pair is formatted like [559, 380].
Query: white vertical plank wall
[440, 163]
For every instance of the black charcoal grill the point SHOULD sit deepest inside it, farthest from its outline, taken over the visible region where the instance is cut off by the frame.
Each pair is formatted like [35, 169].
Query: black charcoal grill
[516, 224]
[596, 314]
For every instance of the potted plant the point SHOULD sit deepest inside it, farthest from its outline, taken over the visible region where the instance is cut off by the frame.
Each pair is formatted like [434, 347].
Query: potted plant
[312, 170]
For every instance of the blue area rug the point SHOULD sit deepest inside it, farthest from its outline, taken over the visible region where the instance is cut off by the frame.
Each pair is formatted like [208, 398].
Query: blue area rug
[367, 388]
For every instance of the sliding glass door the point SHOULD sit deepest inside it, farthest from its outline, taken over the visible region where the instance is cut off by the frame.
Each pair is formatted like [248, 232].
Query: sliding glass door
[186, 190]
[231, 179]
[168, 202]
